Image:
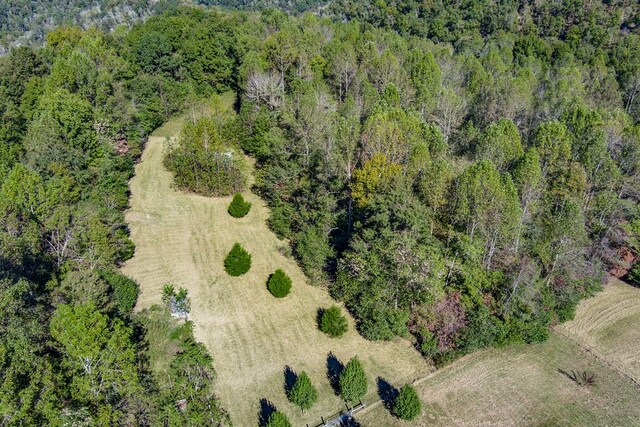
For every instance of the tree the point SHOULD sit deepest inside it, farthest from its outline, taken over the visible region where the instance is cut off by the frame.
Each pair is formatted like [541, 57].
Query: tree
[278, 419]
[332, 322]
[125, 290]
[279, 284]
[99, 353]
[303, 393]
[353, 381]
[407, 404]
[238, 262]
[238, 207]
[500, 143]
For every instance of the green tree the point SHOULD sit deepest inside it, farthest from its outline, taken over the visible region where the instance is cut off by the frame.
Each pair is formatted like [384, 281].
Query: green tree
[353, 381]
[303, 393]
[238, 261]
[332, 322]
[407, 405]
[279, 284]
[125, 290]
[100, 354]
[500, 143]
[238, 207]
[278, 419]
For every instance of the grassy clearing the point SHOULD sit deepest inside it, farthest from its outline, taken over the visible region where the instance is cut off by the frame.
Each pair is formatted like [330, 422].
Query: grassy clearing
[609, 324]
[521, 386]
[183, 239]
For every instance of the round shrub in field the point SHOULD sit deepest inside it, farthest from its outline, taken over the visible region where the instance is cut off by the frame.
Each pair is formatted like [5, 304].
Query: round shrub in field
[279, 284]
[407, 405]
[238, 261]
[238, 207]
[332, 322]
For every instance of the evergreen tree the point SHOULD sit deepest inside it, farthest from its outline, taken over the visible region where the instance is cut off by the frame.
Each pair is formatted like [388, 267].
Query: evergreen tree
[239, 207]
[407, 405]
[353, 381]
[332, 322]
[278, 419]
[303, 393]
[238, 262]
[279, 284]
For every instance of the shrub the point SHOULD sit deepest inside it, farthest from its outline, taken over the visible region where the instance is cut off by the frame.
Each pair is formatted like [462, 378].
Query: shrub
[238, 261]
[332, 322]
[407, 405]
[634, 275]
[353, 381]
[278, 419]
[238, 207]
[303, 393]
[279, 284]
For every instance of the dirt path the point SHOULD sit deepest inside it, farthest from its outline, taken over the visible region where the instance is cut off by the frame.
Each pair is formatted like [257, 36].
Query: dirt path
[182, 239]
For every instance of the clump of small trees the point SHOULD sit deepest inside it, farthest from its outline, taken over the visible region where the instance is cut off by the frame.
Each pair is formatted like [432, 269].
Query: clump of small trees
[407, 404]
[332, 322]
[238, 262]
[238, 207]
[353, 381]
[303, 393]
[279, 284]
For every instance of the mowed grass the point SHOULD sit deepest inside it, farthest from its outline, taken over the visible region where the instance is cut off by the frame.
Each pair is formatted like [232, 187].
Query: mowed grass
[183, 239]
[609, 324]
[522, 386]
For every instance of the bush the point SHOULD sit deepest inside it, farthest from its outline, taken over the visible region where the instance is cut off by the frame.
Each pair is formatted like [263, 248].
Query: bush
[634, 275]
[407, 405]
[238, 207]
[238, 261]
[303, 393]
[332, 322]
[353, 381]
[279, 284]
[278, 419]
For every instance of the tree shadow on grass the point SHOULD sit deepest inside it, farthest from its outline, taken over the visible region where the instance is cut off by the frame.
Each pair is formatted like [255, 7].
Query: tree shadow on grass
[387, 392]
[266, 409]
[319, 317]
[334, 369]
[290, 378]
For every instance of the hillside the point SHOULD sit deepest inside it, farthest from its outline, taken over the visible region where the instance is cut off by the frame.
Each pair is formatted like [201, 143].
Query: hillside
[183, 238]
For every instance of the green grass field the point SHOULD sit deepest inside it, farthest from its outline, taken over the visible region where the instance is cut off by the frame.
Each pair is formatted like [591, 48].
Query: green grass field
[183, 238]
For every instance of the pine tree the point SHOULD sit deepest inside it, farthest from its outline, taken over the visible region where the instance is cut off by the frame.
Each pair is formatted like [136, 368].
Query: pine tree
[279, 284]
[303, 393]
[407, 405]
[238, 261]
[278, 419]
[353, 381]
[332, 322]
[238, 207]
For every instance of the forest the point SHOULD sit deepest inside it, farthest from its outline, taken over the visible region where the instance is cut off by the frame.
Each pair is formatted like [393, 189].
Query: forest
[458, 174]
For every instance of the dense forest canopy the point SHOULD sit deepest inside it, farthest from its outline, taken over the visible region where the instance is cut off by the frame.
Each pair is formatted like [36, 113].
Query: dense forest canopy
[458, 175]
